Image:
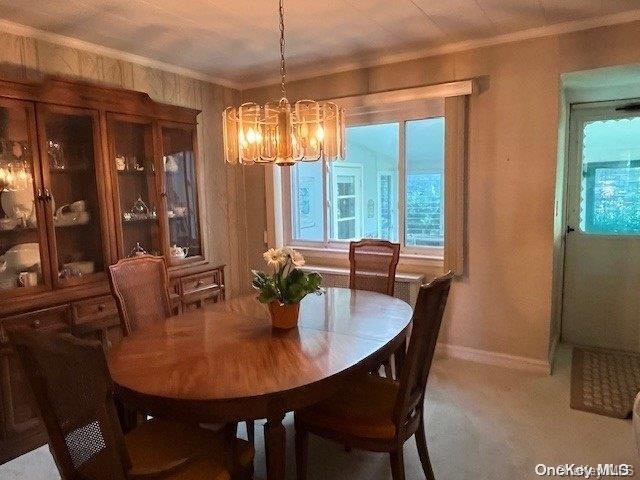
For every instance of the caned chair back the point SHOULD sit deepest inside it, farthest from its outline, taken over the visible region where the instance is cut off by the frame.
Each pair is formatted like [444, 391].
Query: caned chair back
[427, 318]
[373, 265]
[74, 393]
[140, 286]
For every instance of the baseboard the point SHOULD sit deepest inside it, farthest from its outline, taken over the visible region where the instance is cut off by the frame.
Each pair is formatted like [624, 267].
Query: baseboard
[493, 358]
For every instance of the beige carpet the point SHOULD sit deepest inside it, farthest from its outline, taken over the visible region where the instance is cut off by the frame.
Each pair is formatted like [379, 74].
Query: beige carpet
[483, 423]
[604, 381]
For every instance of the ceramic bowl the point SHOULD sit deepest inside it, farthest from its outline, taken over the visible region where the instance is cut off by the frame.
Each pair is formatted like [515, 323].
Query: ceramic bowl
[23, 256]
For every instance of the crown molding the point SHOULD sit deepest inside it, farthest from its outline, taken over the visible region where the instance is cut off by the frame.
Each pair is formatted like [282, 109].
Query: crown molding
[357, 62]
[62, 40]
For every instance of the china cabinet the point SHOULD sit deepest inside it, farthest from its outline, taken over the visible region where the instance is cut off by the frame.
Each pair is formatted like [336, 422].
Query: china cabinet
[88, 175]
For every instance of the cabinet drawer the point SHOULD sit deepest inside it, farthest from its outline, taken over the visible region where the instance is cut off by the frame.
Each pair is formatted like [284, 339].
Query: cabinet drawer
[50, 319]
[196, 283]
[94, 309]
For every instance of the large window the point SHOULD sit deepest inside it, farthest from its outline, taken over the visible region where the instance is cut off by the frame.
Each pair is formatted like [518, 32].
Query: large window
[391, 186]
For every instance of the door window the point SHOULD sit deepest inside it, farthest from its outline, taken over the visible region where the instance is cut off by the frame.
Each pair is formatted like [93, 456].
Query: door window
[610, 189]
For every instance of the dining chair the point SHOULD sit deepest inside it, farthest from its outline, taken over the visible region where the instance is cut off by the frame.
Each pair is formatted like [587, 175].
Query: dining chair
[373, 265]
[74, 393]
[140, 286]
[380, 414]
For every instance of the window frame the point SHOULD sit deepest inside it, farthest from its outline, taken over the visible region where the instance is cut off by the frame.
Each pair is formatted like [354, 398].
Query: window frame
[456, 96]
[399, 117]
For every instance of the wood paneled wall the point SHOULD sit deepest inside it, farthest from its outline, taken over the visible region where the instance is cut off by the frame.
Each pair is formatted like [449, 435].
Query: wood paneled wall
[223, 196]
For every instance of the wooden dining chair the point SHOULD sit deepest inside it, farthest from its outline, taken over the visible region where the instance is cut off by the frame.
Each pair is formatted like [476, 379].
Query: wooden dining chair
[140, 286]
[74, 393]
[380, 414]
[373, 267]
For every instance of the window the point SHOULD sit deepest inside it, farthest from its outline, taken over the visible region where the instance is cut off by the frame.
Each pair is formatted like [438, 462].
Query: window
[390, 186]
[610, 190]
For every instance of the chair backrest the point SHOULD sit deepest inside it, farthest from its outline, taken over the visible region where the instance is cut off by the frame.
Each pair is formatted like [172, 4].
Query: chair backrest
[427, 318]
[74, 393]
[140, 286]
[373, 265]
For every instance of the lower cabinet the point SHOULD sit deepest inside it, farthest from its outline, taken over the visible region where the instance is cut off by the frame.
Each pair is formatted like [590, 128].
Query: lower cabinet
[21, 429]
[94, 318]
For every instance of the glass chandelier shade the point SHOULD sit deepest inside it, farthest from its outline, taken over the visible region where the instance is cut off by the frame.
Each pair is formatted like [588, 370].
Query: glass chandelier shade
[284, 134]
[281, 133]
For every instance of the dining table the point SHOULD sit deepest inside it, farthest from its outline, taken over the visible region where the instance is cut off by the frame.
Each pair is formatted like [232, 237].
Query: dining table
[226, 363]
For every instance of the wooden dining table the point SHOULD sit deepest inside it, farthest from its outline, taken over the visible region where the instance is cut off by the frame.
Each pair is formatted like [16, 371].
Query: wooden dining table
[225, 363]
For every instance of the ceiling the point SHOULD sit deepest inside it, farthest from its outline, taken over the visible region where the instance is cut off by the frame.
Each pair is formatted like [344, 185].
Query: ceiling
[235, 42]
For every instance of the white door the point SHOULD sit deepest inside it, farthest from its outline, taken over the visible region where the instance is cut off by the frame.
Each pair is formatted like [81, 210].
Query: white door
[347, 202]
[601, 300]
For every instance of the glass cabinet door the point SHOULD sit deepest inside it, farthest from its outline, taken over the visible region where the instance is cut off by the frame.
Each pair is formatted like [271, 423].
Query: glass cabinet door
[70, 151]
[181, 192]
[132, 157]
[24, 265]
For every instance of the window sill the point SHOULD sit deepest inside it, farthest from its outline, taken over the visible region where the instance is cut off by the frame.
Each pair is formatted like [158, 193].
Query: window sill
[406, 258]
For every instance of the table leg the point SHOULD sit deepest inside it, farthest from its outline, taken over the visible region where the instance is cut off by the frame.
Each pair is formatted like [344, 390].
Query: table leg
[275, 444]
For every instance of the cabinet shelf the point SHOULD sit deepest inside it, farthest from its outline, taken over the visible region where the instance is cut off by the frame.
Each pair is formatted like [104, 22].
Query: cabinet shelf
[136, 173]
[139, 220]
[60, 171]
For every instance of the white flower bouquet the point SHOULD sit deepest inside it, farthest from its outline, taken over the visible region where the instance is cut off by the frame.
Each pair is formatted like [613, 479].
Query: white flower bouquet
[287, 284]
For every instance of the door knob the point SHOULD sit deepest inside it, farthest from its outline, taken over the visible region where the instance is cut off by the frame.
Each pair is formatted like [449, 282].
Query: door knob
[570, 229]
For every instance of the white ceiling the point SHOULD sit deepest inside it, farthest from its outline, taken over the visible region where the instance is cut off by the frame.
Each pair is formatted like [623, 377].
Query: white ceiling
[236, 41]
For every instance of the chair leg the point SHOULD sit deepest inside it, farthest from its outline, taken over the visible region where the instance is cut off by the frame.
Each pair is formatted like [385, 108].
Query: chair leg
[251, 434]
[397, 463]
[302, 452]
[421, 443]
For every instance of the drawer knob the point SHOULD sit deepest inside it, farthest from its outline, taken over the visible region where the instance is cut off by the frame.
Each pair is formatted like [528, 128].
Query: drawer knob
[101, 307]
[35, 324]
[200, 283]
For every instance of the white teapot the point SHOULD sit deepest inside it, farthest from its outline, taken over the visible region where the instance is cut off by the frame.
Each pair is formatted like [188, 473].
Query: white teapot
[178, 252]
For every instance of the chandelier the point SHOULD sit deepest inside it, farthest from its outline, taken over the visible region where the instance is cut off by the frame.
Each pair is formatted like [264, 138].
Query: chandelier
[281, 133]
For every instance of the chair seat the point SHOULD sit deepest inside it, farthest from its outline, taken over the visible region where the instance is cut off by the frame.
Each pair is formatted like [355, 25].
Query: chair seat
[158, 447]
[363, 409]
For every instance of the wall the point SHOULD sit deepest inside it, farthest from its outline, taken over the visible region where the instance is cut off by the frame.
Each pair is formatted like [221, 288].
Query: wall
[504, 303]
[222, 188]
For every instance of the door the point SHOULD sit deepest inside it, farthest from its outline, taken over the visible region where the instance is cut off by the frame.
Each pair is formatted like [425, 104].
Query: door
[75, 200]
[24, 255]
[137, 198]
[601, 300]
[347, 202]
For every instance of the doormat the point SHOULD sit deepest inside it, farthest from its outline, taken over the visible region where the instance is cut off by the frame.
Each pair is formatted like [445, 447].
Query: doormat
[604, 381]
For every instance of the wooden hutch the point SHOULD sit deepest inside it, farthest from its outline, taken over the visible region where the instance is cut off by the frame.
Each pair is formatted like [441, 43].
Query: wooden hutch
[88, 175]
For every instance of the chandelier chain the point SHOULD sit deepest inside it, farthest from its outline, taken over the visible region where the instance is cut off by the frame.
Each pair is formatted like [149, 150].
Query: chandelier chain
[283, 71]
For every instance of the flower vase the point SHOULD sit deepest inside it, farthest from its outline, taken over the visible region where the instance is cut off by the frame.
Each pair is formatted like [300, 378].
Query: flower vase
[284, 315]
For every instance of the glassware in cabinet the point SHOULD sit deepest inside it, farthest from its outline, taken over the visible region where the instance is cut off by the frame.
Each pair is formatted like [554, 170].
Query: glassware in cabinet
[181, 190]
[23, 243]
[71, 168]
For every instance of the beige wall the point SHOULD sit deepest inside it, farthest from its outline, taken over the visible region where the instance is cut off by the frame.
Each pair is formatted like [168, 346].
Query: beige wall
[222, 188]
[504, 304]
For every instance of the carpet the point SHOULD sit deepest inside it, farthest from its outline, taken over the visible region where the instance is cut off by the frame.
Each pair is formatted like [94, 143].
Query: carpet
[604, 381]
